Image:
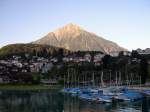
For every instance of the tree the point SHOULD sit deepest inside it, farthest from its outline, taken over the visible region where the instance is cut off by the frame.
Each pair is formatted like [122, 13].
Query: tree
[144, 70]
[60, 54]
[106, 61]
[121, 54]
[135, 54]
[36, 78]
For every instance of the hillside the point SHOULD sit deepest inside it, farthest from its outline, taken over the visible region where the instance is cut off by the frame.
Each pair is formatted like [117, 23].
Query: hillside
[32, 49]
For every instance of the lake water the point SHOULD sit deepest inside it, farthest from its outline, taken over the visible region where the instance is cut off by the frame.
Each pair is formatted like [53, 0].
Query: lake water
[48, 101]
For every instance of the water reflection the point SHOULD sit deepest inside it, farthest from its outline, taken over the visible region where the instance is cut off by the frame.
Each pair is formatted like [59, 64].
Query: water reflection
[45, 101]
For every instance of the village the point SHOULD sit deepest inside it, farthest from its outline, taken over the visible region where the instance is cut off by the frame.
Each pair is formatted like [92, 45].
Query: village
[35, 64]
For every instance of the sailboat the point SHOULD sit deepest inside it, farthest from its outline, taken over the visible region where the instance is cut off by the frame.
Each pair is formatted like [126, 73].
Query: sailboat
[129, 95]
[146, 92]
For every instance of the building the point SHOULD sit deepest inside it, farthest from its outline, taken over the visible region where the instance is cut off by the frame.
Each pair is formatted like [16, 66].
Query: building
[49, 82]
[98, 57]
[126, 53]
[87, 57]
[143, 52]
[114, 54]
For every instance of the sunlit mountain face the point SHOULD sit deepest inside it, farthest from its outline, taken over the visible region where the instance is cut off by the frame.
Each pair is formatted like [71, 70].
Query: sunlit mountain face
[75, 38]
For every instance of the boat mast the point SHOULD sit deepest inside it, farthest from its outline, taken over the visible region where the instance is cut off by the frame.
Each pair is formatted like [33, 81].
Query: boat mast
[102, 82]
[75, 77]
[116, 79]
[110, 78]
[93, 79]
[64, 80]
[68, 77]
[119, 78]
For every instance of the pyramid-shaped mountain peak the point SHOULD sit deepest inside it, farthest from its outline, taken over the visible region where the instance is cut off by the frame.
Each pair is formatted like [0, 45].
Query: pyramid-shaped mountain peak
[68, 31]
[72, 25]
[69, 27]
[74, 38]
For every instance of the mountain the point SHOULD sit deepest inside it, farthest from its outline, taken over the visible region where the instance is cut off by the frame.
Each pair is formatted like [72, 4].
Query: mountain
[74, 38]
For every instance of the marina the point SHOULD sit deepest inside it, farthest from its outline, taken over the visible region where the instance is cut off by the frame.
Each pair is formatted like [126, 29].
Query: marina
[98, 90]
[99, 95]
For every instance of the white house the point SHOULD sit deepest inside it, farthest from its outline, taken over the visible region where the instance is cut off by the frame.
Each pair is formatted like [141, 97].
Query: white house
[146, 51]
[87, 57]
[126, 53]
[98, 57]
[114, 54]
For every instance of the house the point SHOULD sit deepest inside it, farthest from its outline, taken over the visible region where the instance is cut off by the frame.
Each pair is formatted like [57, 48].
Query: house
[79, 59]
[46, 67]
[16, 57]
[4, 79]
[24, 70]
[48, 81]
[65, 59]
[147, 50]
[87, 57]
[135, 60]
[98, 63]
[143, 52]
[36, 66]
[18, 64]
[139, 50]
[98, 57]
[55, 60]
[14, 70]
[126, 53]
[114, 54]
[1, 80]
[76, 59]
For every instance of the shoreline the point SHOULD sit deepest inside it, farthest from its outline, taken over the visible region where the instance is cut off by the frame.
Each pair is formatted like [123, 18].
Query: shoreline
[38, 87]
[29, 87]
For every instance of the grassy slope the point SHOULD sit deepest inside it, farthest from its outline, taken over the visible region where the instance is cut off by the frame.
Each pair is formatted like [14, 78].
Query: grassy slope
[17, 49]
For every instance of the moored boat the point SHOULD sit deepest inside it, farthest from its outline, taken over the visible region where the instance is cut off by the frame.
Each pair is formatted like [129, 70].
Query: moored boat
[146, 92]
[104, 98]
[129, 95]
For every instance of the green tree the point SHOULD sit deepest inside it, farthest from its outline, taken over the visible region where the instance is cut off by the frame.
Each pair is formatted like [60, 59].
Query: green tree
[144, 70]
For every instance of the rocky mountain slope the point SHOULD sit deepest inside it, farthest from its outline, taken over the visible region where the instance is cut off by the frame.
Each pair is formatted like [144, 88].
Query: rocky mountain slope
[74, 38]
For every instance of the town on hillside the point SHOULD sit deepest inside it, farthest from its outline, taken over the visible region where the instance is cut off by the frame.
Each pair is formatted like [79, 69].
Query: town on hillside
[52, 70]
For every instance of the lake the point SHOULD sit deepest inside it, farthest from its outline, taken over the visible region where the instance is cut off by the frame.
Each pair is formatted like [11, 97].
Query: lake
[53, 101]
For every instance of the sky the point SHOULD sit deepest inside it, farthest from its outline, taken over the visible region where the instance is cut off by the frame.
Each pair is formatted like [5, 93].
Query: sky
[126, 22]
